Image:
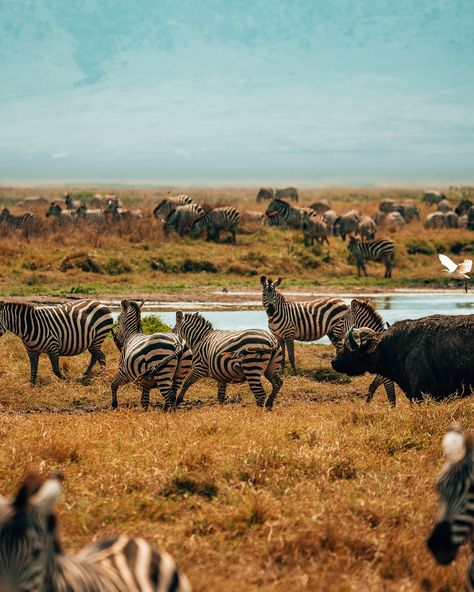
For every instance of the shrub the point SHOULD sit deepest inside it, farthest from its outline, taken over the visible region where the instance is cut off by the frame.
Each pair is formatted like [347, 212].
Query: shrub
[420, 247]
[116, 266]
[81, 289]
[82, 261]
[190, 266]
[154, 324]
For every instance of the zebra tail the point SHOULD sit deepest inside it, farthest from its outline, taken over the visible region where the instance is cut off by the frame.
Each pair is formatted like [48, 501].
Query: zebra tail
[157, 367]
[249, 351]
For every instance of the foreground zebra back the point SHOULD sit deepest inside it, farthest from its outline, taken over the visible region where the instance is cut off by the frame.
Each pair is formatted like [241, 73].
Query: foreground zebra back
[362, 314]
[161, 360]
[301, 321]
[230, 357]
[380, 249]
[215, 221]
[182, 218]
[165, 206]
[281, 213]
[455, 524]
[31, 558]
[61, 330]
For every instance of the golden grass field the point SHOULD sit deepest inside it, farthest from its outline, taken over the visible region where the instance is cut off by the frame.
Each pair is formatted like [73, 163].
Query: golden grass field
[323, 493]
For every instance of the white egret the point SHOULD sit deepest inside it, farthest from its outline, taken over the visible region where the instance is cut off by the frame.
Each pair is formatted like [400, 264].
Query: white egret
[455, 270]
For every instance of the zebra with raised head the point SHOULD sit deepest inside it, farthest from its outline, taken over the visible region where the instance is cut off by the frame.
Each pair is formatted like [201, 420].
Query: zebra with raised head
[230, 357]
[455, 484]
[20, 221]
[182, 218]
[362, 314]
[165, 206]
[215, 221]
[379, 249]
[55, 211]
[32, 559]
[300, 321]
[161, 360]
[60, 330]
[281, 213]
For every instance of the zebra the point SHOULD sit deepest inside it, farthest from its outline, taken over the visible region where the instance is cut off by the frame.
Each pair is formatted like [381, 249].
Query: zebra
[165, 206]
[215, 221]
[230, 357]
[56, 211]
[302, 321]
[264, 193]
[86, 214]
[455, 485]
[32, 559]
[160, 360]
[118, 213]
[286, 215]
[367, 228]
[288, 192]
[27, 222]
[61, 330]
[362, 314]
[182, 218]
[71, 204]
[380, 249]
[314, 227]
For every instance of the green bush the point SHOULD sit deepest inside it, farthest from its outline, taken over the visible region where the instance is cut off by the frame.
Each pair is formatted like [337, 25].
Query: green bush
[116, 266]
[154, 324]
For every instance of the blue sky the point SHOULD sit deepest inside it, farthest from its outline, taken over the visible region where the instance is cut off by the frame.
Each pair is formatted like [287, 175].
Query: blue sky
[208, 92]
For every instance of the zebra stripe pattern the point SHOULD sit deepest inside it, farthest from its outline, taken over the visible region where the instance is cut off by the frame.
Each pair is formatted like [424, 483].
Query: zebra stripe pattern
[286, 215]
[161, 360]
[362, 314]
[31, 558]
[230, 357]
[302, 321]
[215, 221]
[19, 221]
[62, 330]
[455, 485]
[182, 218]
[165, 206]
[380, 249]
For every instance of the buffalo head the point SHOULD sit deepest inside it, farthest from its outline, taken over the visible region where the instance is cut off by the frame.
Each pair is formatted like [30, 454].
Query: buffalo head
[355, 356]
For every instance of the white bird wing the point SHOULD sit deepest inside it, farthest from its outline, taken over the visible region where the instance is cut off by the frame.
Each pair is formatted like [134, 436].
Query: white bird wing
[465, 266]
[447, 262]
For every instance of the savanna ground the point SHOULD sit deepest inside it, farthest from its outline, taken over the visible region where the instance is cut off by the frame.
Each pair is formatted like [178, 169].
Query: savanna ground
[323, 493]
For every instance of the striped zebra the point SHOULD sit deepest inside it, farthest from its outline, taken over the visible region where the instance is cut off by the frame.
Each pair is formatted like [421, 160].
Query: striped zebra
[161, 360]
[230, 357]
[32, 559]
[362, 314]
[455, 484]
[379, 249]
[61, 330]
[85, 213]
[20, 221]
[215, 221]
[55, 211]
[165, 206]
[281, 213]
[302, 321]
[182, 218]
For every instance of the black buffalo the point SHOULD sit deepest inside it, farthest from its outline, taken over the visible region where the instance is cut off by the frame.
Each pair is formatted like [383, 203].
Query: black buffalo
[432, 355]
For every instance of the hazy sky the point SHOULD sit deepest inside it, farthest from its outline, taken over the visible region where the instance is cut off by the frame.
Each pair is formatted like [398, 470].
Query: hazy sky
[310, 92]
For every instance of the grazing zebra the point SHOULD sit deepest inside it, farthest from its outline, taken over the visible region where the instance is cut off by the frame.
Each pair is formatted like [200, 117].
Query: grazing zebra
[303, 321]
[165, 206]
[85, 214]
[182, 218]
[215, 221]
[25, 221]
[455, 484]
[314, 228]
[56, 211]
[362, 314]
[61, 330]
[367, 228]
[161, 360]
[288, 192]
[380, 249]
[230, 357]
[346, 224]
[264, 193]
[281, 213]
[32, 559]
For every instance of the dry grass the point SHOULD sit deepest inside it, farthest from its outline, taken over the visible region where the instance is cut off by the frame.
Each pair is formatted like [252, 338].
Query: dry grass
[323, 493]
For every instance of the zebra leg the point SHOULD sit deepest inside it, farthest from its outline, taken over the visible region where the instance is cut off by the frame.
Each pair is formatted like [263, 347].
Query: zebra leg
[276, 382]
[221, 389]
[290, 344]
[283, 349]
[232, 231]
[116, 382]
[96, 356]
[34, 359]
[389, 387]
[255, 383]
[146, 385]
[54, 359]
[190, 380]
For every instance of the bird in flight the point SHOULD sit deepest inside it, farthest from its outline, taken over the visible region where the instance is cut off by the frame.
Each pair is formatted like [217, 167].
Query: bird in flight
[455, 270]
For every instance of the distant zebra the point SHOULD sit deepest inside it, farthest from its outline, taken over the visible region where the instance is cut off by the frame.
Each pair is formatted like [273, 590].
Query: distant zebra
[161, 360]
[281, 213]
[27, 221]
[362, 314]
[287, 192]
[264, 193]
[56, 211]
[165, 206]
[301, 321]
[230, 357]
[71, 204]
[85, 213]
[182, 218]
[32, 559]
[380, 249]
[215, 221]
[61, 330]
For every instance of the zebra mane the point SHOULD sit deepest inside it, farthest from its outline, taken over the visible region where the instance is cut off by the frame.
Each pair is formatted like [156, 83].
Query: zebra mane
[376, 317]
[170, 213]
[204, 322]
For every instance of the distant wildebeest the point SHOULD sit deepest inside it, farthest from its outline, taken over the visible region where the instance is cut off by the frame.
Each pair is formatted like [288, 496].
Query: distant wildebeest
[451, 220]
[463, 207]
[281, 213]
[408, 210]
[346, 224]
[330, 218]
[432, 355]
[265, 193]
[182, 217]
[434, 220]
[168, 204]
[287, 193]
[367, 228]
[433, 197]
[314, 228]
[444, 206]
[321, 206]
[381, 249]
[393, 221]
[386, 206]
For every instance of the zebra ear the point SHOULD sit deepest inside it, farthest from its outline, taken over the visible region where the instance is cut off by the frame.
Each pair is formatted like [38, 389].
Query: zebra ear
[140, 303]
[179, 316]
[277, 282]
[125, 304]
[30, 486]
[2, 304]
[263, 280]
[47, 496]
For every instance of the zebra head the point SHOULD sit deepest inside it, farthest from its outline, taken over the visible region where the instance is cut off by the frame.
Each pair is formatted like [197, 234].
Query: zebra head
[54, 210]
[129, 321]
[28, 535]
[5, 214]
[191, 327]
[269, 293]
[456, 495]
